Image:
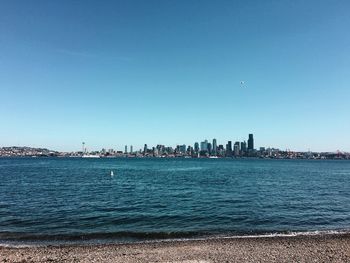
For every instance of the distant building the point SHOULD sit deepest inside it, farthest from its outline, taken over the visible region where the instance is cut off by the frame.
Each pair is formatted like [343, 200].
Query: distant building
[250, 142]
[145, 149]
[161, 149]
[182, 148]
[229, 148]
[209, 148]
[243, 147]
[215, 147]
[131, 149]
[196, 147]
[126, 149]
[204, 146]
[155, 151]
[189, 150]
[236, 149]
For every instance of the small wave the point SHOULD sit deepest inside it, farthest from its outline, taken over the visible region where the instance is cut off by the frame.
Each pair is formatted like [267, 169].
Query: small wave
[292, 234]
[13, 245]
[145, 237]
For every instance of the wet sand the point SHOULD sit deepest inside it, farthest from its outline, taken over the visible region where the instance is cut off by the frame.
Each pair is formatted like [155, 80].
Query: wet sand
[322, 248]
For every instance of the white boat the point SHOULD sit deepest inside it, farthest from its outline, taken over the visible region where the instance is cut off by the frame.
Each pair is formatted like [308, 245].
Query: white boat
[112, 173]
[90, 156]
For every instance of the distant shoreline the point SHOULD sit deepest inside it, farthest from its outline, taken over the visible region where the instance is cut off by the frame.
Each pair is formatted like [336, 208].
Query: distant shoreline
[168, 152]
[313, 248]
[172, 157]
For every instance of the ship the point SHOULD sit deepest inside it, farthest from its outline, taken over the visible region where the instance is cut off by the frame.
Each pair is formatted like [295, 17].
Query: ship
[90, 156]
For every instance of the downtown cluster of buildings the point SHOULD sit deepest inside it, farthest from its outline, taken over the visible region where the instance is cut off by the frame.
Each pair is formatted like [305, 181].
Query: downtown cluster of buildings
[209, 149]
[204, 149]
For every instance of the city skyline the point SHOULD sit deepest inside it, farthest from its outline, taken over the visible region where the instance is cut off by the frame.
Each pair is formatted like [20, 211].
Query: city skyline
[156, 72]
[120, 146]
[211, 148]
[230, 148]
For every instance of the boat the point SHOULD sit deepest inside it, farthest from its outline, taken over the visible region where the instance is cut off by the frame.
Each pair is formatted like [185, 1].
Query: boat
[90, 156]
[112, 173]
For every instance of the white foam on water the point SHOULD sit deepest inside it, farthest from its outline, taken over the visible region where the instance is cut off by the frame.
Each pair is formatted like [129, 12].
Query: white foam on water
[15, 244]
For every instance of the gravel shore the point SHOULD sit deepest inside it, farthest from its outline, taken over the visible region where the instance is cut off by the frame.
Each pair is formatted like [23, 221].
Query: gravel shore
[322, 248]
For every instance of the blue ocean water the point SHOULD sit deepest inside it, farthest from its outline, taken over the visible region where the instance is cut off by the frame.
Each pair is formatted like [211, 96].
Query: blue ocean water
[76, 200]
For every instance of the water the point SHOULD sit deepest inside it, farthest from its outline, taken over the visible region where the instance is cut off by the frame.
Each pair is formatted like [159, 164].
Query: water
[60, 200]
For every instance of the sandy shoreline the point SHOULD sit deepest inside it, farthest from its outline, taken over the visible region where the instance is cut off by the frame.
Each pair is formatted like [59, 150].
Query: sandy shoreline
[318, 248]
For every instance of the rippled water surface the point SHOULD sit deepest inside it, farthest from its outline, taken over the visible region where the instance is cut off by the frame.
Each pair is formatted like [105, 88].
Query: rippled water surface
[77, 199]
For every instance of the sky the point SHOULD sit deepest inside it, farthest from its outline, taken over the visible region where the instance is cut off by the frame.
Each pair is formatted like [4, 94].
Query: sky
[115, 73]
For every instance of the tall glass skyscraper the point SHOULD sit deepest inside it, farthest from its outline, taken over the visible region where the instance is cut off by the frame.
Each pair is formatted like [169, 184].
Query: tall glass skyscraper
[215, 147]
[250, 142]
[229, 148]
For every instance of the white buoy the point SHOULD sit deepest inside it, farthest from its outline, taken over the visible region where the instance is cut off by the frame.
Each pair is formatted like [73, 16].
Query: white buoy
[112, 173]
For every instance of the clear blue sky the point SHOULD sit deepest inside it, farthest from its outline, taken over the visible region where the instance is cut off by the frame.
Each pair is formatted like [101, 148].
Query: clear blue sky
[112, 73]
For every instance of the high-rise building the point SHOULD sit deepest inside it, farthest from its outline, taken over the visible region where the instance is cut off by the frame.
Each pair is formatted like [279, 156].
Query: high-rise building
[196, 147]
[215, 147]
[131, 149]
[250, 142]
[126, 149]
[243, 147]
[145, 149]
[229, 148]
[209, 148]
[236, 149]
[189, 150]
[182, 148]
[204, 146]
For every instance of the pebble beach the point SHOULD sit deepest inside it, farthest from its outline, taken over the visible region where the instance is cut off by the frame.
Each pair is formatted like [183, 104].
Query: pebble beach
[316, 248]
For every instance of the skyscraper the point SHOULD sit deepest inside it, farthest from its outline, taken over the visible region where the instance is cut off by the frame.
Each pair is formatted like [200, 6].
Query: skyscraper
[243, 147]
[215, 147]
[126, 149]
[229, 148]
[236, 149]
[204, 146]
[196, 147]
[145, 149]
[250, 142]
[131, 149]
[209, 148]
